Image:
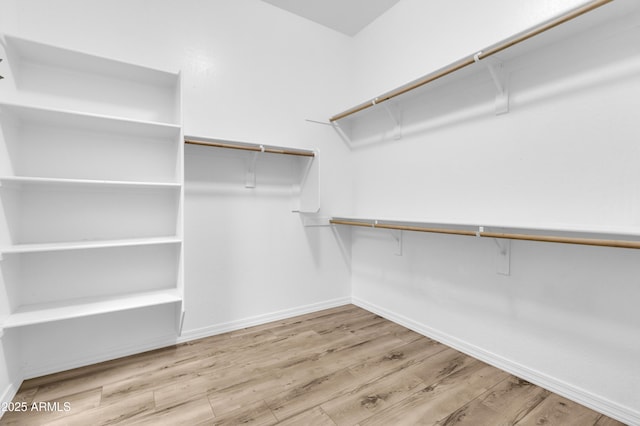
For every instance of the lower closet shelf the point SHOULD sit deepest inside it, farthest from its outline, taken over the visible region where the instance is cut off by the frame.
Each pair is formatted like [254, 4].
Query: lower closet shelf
[89, 244]
[69, 309]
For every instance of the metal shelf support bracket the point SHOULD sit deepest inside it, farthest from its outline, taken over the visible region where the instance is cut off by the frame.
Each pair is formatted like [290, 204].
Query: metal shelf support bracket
[500, 79]
[396, 118]
[503, 261]
[250, 179]
[396, 234]
[342, 133]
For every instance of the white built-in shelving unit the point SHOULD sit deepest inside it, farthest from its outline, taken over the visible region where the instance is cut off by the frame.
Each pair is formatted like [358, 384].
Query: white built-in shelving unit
[91, 185]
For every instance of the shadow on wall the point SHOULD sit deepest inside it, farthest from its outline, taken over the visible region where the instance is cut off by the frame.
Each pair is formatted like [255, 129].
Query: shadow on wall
[579, 295]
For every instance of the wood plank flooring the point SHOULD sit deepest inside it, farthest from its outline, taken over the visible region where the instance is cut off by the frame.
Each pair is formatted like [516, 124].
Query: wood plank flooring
[342, 366]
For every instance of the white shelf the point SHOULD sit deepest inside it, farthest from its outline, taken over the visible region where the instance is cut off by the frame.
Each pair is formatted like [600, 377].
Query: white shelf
[247, 146]
[78, 308]
[54, 143]
[261, 165]
[87, 120]
[86, 63]
[86, 245]
[28, 180]
[59, 77]
[539, 229]
[37, 213]
[480, 83]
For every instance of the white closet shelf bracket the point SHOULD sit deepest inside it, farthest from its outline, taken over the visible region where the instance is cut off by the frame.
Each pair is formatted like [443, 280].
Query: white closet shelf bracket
[250, 177]
[397, 236]
[396, 119]
[500, 79]
[503, 259]
[342, 133]
[309, 178]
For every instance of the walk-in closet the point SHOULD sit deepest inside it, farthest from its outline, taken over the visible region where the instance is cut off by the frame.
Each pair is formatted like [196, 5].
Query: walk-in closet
[313, 212]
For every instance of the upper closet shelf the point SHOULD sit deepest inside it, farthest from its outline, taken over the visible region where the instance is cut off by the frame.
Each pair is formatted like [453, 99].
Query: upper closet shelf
[244, 146]
[510, 47]
[298, 167]
[603, 237]
[61, 78]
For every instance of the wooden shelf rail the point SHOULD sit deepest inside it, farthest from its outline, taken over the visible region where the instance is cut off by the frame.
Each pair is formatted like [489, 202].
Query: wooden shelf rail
[249, 147]
[482, 233]
[483, 54]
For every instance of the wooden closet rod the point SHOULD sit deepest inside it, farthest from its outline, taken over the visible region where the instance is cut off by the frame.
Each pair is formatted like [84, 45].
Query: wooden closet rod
[473, 58]
[503, 235]
[255, 148]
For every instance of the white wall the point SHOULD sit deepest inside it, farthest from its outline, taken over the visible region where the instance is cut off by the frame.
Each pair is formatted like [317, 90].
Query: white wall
[565, 155]
[251, 72]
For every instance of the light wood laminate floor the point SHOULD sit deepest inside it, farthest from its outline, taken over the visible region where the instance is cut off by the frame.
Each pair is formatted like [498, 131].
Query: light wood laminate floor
[342, 366]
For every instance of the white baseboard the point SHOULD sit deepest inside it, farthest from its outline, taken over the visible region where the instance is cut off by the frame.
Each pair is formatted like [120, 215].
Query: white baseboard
[581, 396]
[199, 333]
[7, 395]
[588, 399]
[170, 340]
[118, 352]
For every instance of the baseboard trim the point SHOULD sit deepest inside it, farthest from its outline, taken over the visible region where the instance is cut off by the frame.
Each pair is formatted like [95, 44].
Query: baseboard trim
[581, 396]
[170, 340]
[7, 395]
[213, 330]
[115, 353]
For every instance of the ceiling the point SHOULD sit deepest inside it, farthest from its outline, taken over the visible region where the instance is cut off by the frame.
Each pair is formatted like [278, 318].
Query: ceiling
[346, 16]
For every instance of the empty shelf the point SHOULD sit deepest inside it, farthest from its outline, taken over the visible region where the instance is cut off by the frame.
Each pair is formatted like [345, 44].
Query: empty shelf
[69, 309]
[83, 245]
